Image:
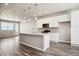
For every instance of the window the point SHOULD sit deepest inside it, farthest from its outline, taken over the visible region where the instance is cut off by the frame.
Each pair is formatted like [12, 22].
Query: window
[3, 26]
[7, 26]
[10, 26]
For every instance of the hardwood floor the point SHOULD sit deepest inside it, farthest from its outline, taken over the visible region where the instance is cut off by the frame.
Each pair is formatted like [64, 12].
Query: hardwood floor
[12, 47]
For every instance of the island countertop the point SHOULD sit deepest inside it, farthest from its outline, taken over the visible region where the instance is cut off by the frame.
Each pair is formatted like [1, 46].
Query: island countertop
[36, 40]
[37, 33]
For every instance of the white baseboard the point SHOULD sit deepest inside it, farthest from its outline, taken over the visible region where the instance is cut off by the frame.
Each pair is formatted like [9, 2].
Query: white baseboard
[54, 41]
[64, 42]
[32, 46]
[75, 44]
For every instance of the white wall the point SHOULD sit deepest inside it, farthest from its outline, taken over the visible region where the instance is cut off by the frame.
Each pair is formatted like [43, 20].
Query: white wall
[28, 27]
[17, 28]
[75, 28]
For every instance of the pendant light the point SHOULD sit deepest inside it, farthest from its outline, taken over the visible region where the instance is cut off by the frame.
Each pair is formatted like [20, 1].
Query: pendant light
[35, 18]
[36, 12]
[29, 14]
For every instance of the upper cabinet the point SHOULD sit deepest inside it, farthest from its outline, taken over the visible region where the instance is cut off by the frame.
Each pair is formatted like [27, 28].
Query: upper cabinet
[63, 18]
[53, 21]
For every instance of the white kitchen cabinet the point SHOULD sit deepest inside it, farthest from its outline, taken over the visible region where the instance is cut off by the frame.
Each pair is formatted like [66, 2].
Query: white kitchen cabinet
[53, 21]
[63, 18]
[42, 21]
[54, 37]
[39, 24]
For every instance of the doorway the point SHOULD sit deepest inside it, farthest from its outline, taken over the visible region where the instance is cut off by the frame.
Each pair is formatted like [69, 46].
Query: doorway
[65, 32]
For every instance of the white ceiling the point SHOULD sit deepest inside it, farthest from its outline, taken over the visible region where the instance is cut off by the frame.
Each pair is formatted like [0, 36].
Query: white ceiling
[41, 8]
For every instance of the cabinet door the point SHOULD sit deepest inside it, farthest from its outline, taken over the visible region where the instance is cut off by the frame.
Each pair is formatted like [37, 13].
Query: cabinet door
[63, 18]
[39, 25]
[42, 21]
[54, 22]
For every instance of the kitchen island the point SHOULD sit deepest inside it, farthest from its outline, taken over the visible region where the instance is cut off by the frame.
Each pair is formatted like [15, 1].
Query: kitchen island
[38, 41]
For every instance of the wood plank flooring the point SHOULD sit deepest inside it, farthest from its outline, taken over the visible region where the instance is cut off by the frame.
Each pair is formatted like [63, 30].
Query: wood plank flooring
[12, 47]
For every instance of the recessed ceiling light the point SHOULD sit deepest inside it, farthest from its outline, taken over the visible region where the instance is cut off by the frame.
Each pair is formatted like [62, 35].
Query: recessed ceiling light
[6, 4]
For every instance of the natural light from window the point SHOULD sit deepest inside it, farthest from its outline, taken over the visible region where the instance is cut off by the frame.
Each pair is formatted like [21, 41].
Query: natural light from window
[7, 26]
